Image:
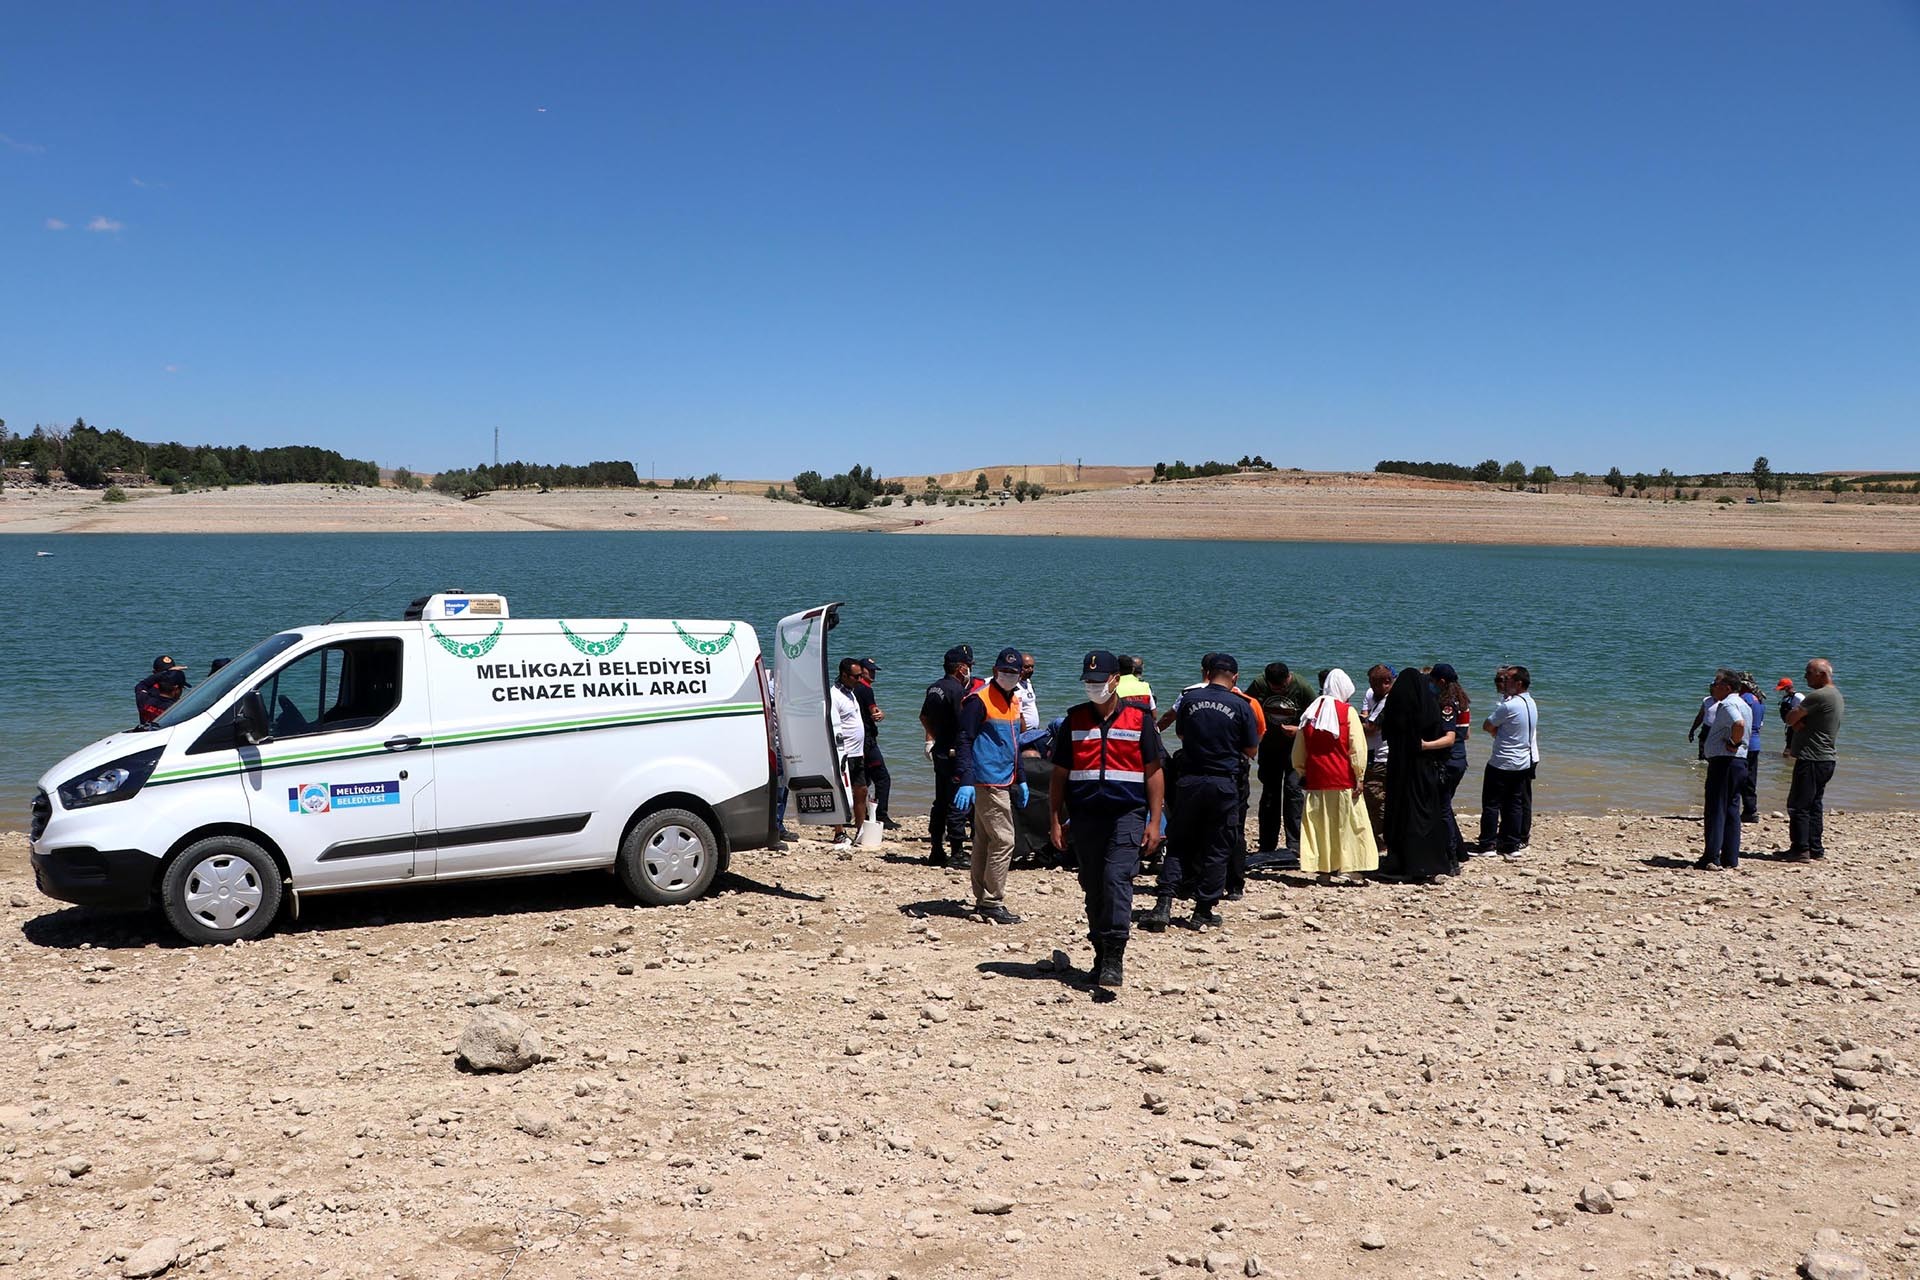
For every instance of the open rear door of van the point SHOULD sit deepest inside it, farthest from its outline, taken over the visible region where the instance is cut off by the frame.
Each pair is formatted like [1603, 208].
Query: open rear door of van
[817, 788]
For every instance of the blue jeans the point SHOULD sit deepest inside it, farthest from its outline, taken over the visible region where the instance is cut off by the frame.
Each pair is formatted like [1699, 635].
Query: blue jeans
[1725, 776]
[1450, 776]
[880, 782]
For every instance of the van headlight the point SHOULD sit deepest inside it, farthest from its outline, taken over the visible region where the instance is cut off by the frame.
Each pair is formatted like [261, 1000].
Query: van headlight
[118, 780]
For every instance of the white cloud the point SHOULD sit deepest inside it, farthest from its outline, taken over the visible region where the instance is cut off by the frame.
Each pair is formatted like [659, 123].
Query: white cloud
[170, 368]
[136, 182]
[54, 224]
[100, 222]
[14, 144]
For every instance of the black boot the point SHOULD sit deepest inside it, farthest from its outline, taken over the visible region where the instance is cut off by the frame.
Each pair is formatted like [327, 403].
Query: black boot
[1162, 912]
[1112, 971]
[1099, 958]
[1205, 917]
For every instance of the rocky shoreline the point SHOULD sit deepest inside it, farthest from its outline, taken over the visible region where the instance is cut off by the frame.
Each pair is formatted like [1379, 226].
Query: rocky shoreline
[1593, 1061]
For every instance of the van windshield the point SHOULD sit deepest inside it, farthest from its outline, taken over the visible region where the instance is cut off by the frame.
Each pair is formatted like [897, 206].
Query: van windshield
[216, 686]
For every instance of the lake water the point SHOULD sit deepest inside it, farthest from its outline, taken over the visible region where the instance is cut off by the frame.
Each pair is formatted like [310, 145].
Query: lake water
[1621, 643]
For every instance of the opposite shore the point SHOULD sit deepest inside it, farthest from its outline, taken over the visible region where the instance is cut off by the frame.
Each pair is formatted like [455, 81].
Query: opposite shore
[1303, 507]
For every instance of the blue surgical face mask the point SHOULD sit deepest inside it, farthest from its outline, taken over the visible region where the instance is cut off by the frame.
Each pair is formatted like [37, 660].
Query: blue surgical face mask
[1099, 692]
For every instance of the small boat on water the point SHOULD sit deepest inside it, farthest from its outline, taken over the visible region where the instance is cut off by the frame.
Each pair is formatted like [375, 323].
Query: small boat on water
[42, 554]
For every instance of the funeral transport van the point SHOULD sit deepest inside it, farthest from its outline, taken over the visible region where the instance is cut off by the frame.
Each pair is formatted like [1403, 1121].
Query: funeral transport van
[457, 743]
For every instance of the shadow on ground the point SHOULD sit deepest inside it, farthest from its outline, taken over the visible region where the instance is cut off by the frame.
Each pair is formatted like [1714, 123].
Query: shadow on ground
[424, 903]
[951, 908]
[1057, 968]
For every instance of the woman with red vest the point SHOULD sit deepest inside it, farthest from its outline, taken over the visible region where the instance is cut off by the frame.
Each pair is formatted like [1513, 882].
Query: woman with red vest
[1330, 754]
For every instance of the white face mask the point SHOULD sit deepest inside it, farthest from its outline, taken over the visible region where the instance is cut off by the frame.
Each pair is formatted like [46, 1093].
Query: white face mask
[1007, 681]
[1099, 692]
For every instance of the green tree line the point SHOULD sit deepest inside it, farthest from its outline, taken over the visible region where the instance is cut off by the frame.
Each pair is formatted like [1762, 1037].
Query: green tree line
[856, 488]
[1180, 470]
[1492, 471]
[1761, 478]
[469, 481]
[86, 454]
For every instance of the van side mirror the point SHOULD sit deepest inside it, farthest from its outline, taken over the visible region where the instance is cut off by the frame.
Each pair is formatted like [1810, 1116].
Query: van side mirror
[249, 720]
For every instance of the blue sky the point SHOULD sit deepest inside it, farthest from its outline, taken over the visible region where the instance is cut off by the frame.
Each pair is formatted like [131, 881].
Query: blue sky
[758, 238]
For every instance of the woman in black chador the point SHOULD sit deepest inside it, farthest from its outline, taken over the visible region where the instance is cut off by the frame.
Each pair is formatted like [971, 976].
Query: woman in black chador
[1418, 740]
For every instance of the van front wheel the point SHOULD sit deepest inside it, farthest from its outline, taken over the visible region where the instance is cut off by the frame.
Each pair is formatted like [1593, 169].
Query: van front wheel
[669, 857]
[221, 889]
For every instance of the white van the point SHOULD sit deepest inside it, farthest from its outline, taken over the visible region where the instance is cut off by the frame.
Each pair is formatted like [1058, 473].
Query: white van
[456, 744]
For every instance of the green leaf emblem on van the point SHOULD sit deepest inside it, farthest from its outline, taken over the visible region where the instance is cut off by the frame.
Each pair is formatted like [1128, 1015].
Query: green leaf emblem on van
[595, 648]
[706, 647]
[467, 649]
[795, 650]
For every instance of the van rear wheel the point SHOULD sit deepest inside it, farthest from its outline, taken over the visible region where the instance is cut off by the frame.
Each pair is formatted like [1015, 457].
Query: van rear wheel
[221, 889]
[670, 857]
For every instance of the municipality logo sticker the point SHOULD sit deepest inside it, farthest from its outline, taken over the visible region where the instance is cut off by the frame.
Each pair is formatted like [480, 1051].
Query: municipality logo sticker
[793, 651]
[595, 648]
[706, 648]
[464, 648]
[328, 797]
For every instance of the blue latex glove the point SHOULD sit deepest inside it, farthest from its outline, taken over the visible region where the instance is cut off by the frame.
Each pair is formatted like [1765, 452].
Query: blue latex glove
[963, 800]
[1020, 794]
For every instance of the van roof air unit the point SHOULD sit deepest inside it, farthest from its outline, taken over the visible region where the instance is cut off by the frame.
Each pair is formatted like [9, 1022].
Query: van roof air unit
[444, 605]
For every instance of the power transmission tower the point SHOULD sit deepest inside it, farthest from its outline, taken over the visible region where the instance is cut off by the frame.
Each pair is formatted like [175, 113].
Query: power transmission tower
[496, 447]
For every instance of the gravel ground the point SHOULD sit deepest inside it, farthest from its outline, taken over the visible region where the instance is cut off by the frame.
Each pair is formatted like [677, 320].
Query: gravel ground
[1591, 1062]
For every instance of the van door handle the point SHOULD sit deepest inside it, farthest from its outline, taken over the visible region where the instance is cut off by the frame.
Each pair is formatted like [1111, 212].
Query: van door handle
[400, 744]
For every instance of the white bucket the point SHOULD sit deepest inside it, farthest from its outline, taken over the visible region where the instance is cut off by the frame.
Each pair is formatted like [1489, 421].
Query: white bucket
[872, 834]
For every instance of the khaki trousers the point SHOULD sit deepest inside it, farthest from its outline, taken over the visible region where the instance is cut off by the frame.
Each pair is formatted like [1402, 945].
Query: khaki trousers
[992, 843]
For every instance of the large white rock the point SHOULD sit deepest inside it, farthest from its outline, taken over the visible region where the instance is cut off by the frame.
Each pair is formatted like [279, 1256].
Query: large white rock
[499, 1041]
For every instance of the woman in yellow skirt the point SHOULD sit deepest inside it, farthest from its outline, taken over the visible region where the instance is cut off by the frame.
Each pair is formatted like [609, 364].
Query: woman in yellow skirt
[1330, 754]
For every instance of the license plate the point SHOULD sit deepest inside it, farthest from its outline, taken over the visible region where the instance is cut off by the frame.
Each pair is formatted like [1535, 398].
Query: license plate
[814, 802]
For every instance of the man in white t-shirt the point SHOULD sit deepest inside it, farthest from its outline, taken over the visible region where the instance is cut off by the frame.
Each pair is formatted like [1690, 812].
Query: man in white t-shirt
[1029, 705]
[1729, 725]
[1506, 793]
[850, 735]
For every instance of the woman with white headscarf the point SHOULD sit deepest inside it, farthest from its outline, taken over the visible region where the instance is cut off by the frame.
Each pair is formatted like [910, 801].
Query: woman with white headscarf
[1330, 754]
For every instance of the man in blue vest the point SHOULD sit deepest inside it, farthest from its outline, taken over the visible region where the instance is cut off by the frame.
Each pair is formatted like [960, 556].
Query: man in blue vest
[991, 784]
[1105, 798]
